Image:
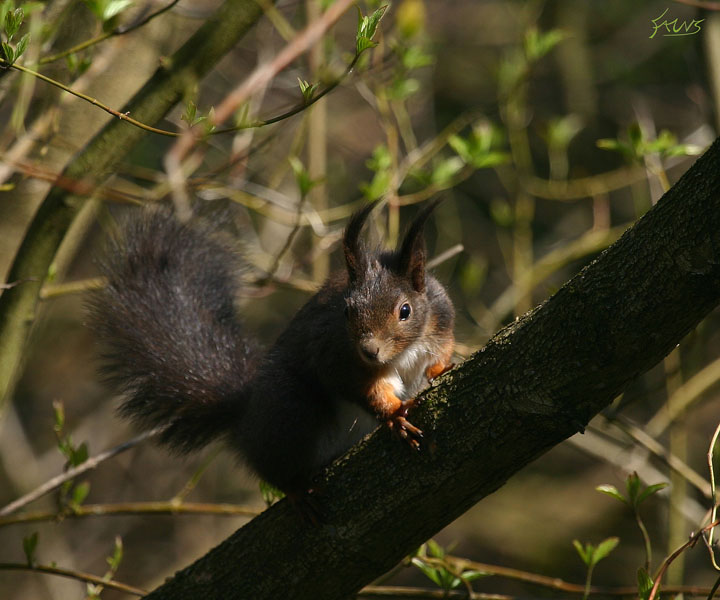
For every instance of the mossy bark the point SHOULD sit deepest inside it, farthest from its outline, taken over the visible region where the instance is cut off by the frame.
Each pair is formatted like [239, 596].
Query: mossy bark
[536, 383]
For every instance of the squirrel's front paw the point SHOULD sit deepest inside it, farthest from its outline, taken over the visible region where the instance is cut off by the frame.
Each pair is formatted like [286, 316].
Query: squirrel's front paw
[440, 368]
[399, 424]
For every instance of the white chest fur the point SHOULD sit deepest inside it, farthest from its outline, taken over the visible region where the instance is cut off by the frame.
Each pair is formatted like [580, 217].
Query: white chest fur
[408, 377]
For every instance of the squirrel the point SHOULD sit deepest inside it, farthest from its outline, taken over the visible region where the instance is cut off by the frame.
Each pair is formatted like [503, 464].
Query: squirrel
[354, 355]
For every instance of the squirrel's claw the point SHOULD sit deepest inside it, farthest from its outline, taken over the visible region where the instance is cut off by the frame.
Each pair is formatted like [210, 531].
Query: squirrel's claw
[405, 429]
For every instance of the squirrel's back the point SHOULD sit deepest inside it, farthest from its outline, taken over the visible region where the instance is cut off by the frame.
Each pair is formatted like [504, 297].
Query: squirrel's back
[167, 319]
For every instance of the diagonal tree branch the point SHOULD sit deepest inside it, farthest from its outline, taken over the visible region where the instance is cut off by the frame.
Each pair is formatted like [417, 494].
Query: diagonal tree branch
[536, 383]
[232, 20]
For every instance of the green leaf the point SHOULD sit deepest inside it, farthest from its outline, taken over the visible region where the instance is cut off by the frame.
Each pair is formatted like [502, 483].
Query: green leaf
[97, 7]
[611, 490]
[13, 21]
[189, 115]
[8, 53]
[29, 546]
[592, 555]
[210, 121]
[645, 584]
[5, 8]
[302, 177]
[430, 572]
[461, 146]
[538, 44]
[491, 159]
[381, 159]
[446, 169]
[307, 89]
[439, 575]
[79, 455]
[471, 575]
[683, 150]
[584, 552]
[363, 43]
[604, 548]
[436, 550]
[114, 7]
[650, 490]
[117, 555]
[22, 46]
[414, 57]
[377, 187]
[79, 493]
[59, 412]
[616, 146]
[632, 483]
[367, 26]
[270, 494]
[403, 88]
[477, 149]
[561, 130]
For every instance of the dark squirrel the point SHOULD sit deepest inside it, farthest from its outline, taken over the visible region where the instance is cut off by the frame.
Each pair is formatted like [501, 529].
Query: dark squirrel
[356, 353]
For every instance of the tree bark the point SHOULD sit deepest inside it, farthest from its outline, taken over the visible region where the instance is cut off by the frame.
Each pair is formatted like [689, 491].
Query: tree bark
[94, 164]
[537, 382]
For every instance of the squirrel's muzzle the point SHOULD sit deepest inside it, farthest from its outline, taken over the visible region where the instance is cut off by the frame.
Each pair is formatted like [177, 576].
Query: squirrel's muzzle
[371, 350]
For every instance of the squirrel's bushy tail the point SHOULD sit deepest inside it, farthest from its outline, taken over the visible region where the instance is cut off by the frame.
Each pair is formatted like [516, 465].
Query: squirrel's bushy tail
[172, 339]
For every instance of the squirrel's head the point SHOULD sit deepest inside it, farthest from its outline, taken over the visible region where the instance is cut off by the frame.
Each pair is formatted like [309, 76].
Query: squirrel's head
[386, 304]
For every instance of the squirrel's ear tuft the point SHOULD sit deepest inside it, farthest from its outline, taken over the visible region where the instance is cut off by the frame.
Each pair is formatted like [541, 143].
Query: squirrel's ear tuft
[412, 255]
[354, 250]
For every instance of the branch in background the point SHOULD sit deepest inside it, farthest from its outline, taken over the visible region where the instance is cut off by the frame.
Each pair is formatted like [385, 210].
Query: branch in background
[88, 465]
[79, 575]
[120, 30]
[171, 507]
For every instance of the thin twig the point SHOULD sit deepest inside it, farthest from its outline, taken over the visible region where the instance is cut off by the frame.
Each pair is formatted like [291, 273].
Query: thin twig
[88, 465]
[11, 284]
[179, 134]
[50, 570]
[444, 256]
[261, 76]
[668, 561]
[172, 507]
[556, 583]
[714, 589]
[69, 90]
[416, 593]
[653, 446]
[690, 391]
[713, 495]
[120, 30]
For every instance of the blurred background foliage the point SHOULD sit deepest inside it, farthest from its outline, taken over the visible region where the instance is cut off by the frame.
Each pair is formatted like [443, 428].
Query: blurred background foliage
[548, 126]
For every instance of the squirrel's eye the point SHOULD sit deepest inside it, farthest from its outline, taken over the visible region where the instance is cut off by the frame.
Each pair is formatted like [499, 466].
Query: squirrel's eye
[405, 311]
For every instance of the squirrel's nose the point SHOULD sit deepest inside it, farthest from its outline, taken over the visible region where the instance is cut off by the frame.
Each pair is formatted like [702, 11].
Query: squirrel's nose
[370, 349]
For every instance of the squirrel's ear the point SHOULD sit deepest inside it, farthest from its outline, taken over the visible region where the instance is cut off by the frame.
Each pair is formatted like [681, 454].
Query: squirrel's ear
[412, 254]
[353, 248]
